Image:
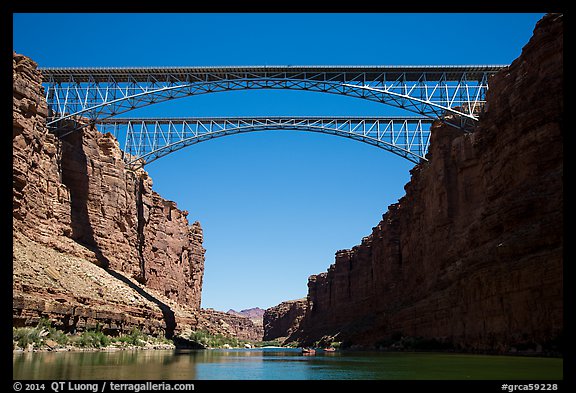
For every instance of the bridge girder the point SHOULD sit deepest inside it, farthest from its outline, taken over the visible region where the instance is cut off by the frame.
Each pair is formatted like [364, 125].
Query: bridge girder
[454, 94]
[147, 139]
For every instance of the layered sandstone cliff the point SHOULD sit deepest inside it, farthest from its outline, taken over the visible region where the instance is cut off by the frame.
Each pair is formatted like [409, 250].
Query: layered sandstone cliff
[75, 295]
[284, 319]
[231, 325]
[74, 200]
[471, 256]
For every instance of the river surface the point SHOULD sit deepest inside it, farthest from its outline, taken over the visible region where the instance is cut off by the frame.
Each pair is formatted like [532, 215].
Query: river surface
[276, 364]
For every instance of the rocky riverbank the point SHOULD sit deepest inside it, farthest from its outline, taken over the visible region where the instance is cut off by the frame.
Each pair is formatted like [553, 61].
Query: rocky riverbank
[44, 337]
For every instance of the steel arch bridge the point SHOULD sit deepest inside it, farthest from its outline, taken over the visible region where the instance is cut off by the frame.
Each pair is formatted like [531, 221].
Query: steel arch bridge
[454, 94]
[147, 139]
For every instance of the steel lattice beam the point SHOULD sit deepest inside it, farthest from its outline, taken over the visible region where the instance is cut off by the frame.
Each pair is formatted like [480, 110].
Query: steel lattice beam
[147, 139]
[454, 94]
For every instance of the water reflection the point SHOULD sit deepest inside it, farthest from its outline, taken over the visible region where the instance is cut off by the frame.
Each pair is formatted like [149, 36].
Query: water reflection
[118, 365]
[277, 364]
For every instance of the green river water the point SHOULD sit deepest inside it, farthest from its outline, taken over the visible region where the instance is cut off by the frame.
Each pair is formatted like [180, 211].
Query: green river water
[279, 364]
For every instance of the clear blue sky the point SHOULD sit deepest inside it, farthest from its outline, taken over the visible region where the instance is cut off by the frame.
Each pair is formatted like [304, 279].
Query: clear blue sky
[275, 206]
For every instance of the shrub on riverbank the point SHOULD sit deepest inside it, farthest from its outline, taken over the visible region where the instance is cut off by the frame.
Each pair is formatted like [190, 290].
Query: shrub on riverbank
[91, 339]
[136, 337]
[39, 335]
[44, 336]
[407, 343]
[26, 336]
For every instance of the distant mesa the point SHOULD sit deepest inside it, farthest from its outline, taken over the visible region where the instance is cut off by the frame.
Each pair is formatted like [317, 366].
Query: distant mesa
[255, 314]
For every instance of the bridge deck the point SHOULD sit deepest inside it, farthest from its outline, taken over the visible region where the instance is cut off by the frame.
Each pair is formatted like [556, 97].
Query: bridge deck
[334, 73]
[128, 120]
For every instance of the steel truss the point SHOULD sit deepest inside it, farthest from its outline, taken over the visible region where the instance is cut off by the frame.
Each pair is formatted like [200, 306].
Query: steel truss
[454, 94]
[147, 139]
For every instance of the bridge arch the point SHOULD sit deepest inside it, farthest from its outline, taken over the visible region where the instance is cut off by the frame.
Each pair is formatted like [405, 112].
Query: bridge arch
[454, 94]
[148, 139]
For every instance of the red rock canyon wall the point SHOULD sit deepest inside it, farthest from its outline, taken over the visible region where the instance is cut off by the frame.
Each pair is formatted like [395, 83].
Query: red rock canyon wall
[284, 319]
[472, 255]
[74, 195]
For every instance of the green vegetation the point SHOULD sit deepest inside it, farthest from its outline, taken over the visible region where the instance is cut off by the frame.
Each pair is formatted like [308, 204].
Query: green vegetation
[91, 339]
[38, 335]
[399, 342]
[44, 335]
[59, 336]
[26, 336]
[272, 343]
[136, 337]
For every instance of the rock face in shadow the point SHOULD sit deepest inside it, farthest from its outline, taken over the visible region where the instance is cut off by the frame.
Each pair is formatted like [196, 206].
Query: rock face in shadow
[75, 195]
[282, 320]
[471, 257]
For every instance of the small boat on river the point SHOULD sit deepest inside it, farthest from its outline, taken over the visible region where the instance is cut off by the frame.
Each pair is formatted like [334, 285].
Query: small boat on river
[308, 351]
